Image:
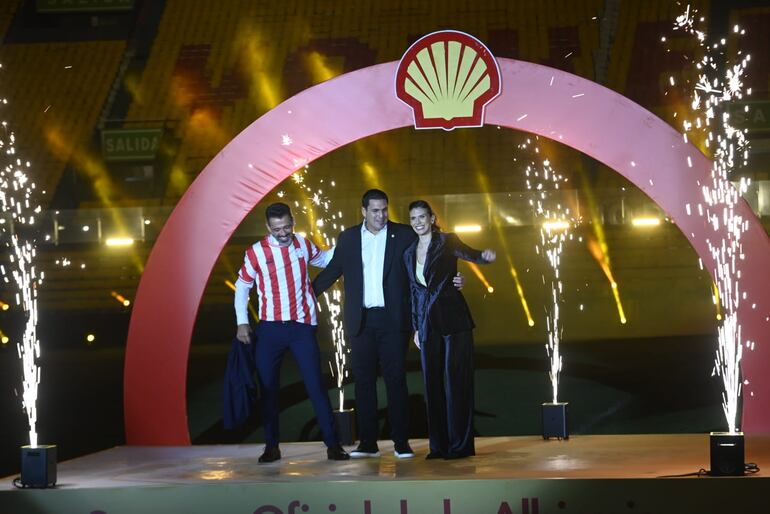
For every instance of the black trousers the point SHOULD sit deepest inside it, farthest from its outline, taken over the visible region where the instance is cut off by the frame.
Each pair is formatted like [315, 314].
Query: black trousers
[379, 343]
[447, 367]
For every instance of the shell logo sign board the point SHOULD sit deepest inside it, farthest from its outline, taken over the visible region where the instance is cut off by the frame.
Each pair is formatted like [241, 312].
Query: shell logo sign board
[447, 78]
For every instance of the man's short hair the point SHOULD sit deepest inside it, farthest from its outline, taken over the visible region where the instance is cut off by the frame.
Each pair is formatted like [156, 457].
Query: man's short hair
[373, 194]
[277, 210]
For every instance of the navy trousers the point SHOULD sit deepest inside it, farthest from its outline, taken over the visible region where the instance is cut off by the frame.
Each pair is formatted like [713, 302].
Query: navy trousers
[273, 339]
[380, 343]
[447, 367]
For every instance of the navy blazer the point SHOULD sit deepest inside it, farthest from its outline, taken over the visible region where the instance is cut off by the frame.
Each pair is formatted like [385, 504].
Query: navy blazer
[240, 391]
[440, 306]
[347, 261]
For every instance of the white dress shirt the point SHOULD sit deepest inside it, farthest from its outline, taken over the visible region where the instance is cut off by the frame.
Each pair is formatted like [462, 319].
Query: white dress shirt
[373, 259]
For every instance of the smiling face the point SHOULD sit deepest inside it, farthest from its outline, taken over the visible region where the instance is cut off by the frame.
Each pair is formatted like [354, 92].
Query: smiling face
[282, 229]
[421, 220]
[375, 215]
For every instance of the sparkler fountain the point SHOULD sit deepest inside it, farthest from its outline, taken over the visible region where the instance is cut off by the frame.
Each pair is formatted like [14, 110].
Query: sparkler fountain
[555, 222]
[711, 125]
[19, 213]
[317, 200]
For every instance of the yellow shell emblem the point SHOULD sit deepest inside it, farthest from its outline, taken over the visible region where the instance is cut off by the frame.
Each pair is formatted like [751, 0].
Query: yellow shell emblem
[447, 78]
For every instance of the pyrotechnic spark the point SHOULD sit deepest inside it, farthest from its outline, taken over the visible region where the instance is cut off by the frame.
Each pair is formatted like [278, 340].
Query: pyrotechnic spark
[17, 200]
[554, 231]
[315, 200]
[726, 144]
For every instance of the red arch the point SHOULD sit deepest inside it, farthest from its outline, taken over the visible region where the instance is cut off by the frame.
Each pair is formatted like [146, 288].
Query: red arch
[557, 105]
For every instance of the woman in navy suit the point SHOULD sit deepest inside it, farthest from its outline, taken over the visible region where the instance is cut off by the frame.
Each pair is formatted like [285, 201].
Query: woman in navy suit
[443, 331]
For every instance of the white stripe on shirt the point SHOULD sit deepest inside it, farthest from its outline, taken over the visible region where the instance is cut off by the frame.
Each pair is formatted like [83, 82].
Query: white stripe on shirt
[264, 264]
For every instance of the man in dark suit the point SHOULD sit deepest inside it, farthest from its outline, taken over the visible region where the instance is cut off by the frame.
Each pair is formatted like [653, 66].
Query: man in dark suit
[377, 317]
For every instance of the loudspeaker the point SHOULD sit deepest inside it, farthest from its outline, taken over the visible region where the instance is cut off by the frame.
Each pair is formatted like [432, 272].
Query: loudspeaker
[345, 425]
[727, 454]
[38, 466]
[555, 421]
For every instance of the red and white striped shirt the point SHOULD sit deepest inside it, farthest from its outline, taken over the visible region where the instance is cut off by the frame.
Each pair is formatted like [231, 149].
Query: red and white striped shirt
[282, 279]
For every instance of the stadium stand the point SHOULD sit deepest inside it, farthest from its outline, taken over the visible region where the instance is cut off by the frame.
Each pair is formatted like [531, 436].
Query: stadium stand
[212, 68]
[7, 12]
[211, 73]
[56, 92]
[640, 65]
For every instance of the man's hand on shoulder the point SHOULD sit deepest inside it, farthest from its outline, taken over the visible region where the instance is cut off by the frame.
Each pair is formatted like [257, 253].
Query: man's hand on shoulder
[459, 281]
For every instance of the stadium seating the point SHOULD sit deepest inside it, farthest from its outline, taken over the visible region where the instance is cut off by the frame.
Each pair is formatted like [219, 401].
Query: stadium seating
[56, 92]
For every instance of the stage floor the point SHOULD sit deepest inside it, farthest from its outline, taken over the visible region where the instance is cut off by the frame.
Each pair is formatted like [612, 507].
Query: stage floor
[502, 467]
[529, 457]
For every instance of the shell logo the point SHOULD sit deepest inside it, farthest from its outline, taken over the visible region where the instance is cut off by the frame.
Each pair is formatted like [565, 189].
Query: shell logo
[447, 78]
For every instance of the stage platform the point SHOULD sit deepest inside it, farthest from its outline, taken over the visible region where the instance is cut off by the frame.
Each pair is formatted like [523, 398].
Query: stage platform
[509, 475]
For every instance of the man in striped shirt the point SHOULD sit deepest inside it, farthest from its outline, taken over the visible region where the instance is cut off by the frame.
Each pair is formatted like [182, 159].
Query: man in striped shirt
[287, 309]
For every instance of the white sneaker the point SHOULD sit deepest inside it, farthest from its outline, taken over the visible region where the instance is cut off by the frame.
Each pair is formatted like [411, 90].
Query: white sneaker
[364, 453]
[403, 452]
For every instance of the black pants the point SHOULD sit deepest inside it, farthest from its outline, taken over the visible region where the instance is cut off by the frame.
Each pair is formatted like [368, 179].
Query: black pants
[379, 343]
[447, 367]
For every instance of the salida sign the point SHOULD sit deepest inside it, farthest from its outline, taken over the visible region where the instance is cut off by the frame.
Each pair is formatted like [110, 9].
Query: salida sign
[130, 144]
[753, 115]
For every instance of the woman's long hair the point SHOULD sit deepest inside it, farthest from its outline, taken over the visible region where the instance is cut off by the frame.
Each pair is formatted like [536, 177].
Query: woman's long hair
[422, 204]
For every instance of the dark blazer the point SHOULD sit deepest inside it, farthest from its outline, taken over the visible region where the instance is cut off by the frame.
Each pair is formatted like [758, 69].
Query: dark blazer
[240, 391]
[440, 306]
[347, 261]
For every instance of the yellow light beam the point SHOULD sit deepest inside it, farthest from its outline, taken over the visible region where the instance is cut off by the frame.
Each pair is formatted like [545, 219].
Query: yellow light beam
[251, 307]
[717, 301]
[484, 186]
[263, 90]
[321, 70]
[476, 271]
[520, 291]
[319, 67]
[370, 172]
[95, 170]
[119, 241]
[120, 298]
[645, 222]
[598, 245]
[466, 229]
[595, 249]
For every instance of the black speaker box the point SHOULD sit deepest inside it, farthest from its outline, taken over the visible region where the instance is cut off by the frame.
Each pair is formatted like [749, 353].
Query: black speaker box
[38, 466]
[345, 424]
[727, 454]
[555, 421]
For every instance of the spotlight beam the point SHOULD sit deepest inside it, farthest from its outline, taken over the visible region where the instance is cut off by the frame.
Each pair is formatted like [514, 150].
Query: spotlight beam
[481, 178]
